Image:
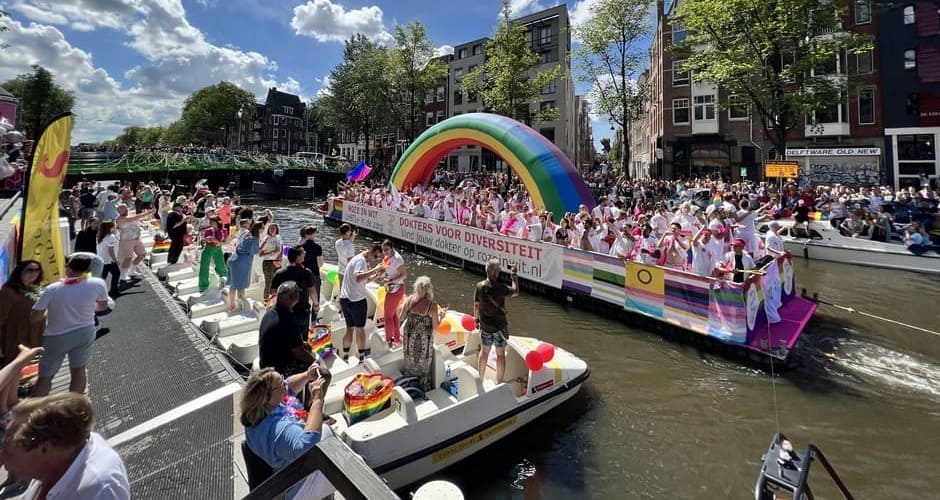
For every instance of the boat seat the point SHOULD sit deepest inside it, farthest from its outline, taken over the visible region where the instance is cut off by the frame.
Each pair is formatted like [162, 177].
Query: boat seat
[469, 383]
[441, 356]
[404, 405]
[473, 343]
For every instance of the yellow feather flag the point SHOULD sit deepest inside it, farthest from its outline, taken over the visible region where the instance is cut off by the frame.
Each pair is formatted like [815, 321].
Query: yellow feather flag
[41, 239]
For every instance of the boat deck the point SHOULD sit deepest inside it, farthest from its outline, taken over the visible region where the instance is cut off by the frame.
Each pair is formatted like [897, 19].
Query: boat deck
[794, 315]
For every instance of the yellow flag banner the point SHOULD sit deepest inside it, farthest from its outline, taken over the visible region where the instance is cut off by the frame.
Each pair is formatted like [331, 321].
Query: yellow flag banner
[41, 238]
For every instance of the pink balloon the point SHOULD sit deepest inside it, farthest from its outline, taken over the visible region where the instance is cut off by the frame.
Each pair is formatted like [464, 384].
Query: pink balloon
[546, 351]
[533, 360]
[468, 322]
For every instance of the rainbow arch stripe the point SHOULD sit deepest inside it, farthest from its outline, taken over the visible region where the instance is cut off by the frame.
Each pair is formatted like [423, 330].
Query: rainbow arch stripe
[552, 181]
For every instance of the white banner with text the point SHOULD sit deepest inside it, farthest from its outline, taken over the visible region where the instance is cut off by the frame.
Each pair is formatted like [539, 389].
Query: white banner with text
[535, 261]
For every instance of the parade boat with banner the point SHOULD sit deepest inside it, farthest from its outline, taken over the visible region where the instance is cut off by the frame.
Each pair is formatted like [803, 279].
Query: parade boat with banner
[734, 314]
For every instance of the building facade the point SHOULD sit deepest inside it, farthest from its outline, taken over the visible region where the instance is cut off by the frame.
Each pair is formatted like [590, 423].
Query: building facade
[583, 156]
[692, 128]
[467, 57]
[279, 124]
[909, 44]
[7, 106]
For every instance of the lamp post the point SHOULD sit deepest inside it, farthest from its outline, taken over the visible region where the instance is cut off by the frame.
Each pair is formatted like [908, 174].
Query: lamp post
[238, 144]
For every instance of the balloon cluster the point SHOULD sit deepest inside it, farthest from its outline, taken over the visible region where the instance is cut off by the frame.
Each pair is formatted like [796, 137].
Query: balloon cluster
[12, 144]
[451, 322]
[542, 354]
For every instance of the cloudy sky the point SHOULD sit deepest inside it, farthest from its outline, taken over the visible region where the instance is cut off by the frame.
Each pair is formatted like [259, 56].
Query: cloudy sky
[133, 62]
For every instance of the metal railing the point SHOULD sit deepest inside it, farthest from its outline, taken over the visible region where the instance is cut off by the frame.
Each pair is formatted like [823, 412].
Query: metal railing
[345, 470]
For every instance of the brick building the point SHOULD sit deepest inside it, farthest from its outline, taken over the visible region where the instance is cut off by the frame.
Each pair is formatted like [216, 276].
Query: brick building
[279, 124]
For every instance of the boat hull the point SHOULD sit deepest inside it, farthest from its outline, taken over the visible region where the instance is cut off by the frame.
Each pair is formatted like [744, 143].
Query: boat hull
[438, 456]
[901, 261]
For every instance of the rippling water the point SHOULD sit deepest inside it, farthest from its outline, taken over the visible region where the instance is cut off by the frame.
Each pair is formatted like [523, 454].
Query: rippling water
[661, 419]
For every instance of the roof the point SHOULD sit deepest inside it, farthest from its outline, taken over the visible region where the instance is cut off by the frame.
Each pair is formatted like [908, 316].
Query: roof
[5, 93]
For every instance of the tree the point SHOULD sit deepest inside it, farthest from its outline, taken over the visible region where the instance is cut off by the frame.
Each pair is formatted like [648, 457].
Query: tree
[414, 72]
[778, 55]
[320, 123]
[359, 88]
[611, 52]
[175, 134]
[40, 100]
[210, 114]
[507, 81]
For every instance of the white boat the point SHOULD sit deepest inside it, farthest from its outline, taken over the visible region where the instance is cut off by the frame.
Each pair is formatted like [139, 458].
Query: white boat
[828, 244]
[415, 437]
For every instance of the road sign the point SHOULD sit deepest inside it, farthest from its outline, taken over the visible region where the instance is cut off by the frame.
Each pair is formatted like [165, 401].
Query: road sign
[782, 168]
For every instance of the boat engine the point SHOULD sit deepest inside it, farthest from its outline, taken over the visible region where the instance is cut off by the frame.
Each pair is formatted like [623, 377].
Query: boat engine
[784, 472]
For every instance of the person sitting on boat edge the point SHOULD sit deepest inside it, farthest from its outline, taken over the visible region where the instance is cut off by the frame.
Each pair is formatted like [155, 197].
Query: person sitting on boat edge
[279, 430]
[914, 239]
[489, 309]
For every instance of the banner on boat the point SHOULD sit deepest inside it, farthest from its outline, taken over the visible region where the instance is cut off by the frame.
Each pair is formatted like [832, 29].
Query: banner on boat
[534, 260]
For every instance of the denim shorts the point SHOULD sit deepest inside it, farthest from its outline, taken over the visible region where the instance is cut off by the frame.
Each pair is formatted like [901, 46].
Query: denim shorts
[78, 344]
[495, 338]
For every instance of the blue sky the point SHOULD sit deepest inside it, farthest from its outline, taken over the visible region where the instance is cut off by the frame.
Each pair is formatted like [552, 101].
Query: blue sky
[133, 62]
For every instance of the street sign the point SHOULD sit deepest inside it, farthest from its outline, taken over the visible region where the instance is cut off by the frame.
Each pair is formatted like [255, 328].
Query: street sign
[782, 168]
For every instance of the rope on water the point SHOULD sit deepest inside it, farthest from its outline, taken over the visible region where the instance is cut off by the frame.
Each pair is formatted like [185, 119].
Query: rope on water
[875, 316]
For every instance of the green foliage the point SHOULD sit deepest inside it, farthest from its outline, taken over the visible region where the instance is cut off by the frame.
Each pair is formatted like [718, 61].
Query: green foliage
[175, 134]
[610, 54]
[508, 81]
[413, 73]
[40, 100]
[210, 114]
[359, 90]
[765, 51]
[320, 124]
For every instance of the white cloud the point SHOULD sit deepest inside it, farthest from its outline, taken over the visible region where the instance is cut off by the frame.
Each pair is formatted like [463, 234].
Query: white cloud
[179, 61]
[326, 21]
[444, 50]
[326, 81]
[519, 8]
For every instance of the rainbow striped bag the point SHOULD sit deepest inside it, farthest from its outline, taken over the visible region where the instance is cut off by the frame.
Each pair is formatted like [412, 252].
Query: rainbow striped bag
[320, 339]
[160, 246]
[366, 395]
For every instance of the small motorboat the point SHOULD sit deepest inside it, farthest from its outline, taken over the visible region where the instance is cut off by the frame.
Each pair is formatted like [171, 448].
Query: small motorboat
[827, 243]
[419, 433]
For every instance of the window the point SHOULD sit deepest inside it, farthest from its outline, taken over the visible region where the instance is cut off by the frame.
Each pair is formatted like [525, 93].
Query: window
[548, 133]
[678, 34]
[440, 94]
[471, 68]
[546, 105]
[834, 113]
[705, 107]
[916, 147]
[826, 66]
[458, 97]
[550, 87]
[458, 74]
[909, 14]
[864, 62]
[737, 108]
[680, 111]
[679, 77]
[477, 49]
[462, 54]
[287, 110]
[910, 59]
[429, 119]
[545, 35]
[440, 116]
[471, 98]
[862, 11]
[866, 106]
[275, 133]
[547, 56]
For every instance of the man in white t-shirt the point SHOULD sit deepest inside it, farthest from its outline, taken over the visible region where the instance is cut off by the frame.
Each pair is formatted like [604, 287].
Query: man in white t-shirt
[69, 306]
[773, 243]
[352, 298]
[345, 249]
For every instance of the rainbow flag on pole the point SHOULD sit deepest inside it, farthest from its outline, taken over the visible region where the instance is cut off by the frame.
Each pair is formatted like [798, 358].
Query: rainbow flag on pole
[359, 172]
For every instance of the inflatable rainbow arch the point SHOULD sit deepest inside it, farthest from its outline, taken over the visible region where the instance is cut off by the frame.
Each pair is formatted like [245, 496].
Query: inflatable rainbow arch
[551, 180]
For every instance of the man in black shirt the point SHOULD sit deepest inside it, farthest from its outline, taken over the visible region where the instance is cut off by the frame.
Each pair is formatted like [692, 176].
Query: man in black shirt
[489, 308]
[303, 277]
[282, 346]
[313, 258]
[176, 229]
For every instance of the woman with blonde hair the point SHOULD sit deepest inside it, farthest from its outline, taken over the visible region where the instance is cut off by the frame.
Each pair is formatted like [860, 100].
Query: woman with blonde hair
[420, 319]
[277, 427]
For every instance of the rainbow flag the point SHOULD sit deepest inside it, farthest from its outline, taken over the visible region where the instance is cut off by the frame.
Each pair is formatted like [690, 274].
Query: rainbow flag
[818, 216]
[320, 339]
[359, 172]
[336, 211]
[366, 395]
[160, 246]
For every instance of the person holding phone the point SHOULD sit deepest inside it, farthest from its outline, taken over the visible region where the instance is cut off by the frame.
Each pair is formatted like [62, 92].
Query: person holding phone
[489, 309]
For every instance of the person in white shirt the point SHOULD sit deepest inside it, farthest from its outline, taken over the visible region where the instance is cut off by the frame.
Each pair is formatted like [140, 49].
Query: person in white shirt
[107, 249]
[623, 244]
[736, 262]
[703, 253]
[773, 243]
[345, 249]
[69, 308]
[50, 442]
[648, 252]
[352, 299]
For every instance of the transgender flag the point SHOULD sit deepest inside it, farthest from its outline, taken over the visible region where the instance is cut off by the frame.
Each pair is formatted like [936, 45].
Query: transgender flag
[359, 173]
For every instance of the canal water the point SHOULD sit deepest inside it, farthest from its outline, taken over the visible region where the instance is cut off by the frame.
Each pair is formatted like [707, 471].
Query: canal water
[663, 419]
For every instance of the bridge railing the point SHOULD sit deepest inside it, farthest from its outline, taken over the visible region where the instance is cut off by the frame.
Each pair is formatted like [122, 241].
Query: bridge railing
[143, 161]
